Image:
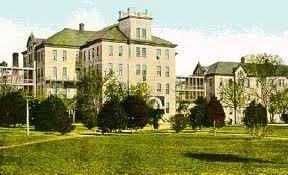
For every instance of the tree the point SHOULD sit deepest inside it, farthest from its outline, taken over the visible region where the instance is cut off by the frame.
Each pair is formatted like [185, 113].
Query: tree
[137, 111]
[278, 103]
[154, 116]
[89, 98]
[111, 117]
[216, 113]
[13, 108]
[198, 115]
[53, 116]
[233, 94]
[284, 118]
[264, 67]
[255, 118]
[179, 122]
[183, 107]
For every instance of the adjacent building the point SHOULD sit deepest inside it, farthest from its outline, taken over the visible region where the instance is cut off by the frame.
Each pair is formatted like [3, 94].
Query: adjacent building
[128, 48]
[219, 74]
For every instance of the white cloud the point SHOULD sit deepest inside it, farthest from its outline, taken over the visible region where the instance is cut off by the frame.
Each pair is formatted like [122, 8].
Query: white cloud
[14, 36]
[194, 46]
[91, 16]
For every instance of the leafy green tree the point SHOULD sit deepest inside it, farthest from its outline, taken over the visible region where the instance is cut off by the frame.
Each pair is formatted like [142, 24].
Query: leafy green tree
[13, 108]
[137, 111]
[183, 107]
[216, 113]
[284, 118]
[111, 117]
[255, 118]
[179, 122]
[154, 116]
[198, 115]
[278, 103]
[89, 98]
[52, 115]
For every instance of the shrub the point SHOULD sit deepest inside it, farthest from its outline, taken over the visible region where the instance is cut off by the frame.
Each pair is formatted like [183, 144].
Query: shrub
[179, 122]
[154, 116]
[284, 118]
[255, 119]
[111, 117]
[137, 111]
[216, 113]
[52, 115]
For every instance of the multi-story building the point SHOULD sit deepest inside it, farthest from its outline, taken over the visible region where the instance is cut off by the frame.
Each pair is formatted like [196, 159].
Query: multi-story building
[189, 88]
[219, 74]
[128, 48]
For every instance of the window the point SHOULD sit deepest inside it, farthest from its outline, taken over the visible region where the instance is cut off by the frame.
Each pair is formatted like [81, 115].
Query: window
[167, 71]
[84, 55]
[158, 71]
[138, 69]
[93, 53]
[167, 107]
[55, 55]
[167, 55]
[158, 54]
[120, 69]
[110, 50]
[247, 83]
[143, 52]
[138, 51]
[143, 33]
[89, 55]
[110, 67]
[97, 50]
[210, 82]
[221, 81]
[64, 55]
[167, 88]
[64, 73]
[144, 70]
[158, 87]
[138, 33]
[120, 50]
[55, 72]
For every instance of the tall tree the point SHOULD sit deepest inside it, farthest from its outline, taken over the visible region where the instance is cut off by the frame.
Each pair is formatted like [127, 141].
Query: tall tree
[278, 103]
[264, 67]
[89, 97]
[255, 118]
[233, 94]
[216, 113]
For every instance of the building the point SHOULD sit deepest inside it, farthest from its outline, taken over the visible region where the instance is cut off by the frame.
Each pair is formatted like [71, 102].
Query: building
[219, 74]
[128, 48]
[13, 76]
[189, 88]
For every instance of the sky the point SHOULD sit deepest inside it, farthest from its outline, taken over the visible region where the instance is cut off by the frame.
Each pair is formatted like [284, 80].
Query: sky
[205, 31]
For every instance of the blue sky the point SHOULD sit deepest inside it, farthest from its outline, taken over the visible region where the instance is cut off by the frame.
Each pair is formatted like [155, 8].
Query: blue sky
[205, 30]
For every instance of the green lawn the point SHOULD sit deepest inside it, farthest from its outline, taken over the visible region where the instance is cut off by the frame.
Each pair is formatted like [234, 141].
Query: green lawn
[153, 153]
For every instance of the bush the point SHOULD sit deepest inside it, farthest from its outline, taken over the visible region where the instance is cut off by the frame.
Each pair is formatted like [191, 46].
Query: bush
[284, 118]
[178, 122]
[52, 115]
[111, 117]
[255, 119]
[137, 111]
[154, 116]
[12, 108]
[216, 113]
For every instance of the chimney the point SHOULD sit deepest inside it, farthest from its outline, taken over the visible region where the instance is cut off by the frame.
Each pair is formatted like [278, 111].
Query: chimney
[15, 57]
[81, 27]
[243, 60]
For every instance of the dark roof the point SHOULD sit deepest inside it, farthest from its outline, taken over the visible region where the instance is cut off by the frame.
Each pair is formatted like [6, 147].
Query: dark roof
[109, 33]
[69, 37]
[222, 68]
[75, 38]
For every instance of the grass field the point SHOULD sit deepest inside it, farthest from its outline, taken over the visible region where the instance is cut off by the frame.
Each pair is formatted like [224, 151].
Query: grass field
[151, 153]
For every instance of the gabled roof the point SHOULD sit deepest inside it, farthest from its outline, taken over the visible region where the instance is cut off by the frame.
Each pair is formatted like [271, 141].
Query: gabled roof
[109, 33]
[222, 68]
[69, 37]
[203, 69]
